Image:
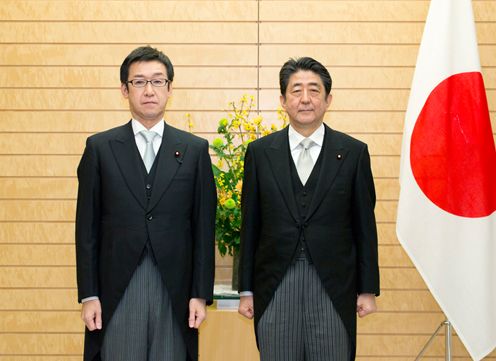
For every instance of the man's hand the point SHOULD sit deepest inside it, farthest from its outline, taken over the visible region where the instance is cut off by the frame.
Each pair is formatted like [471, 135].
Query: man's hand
[91, 314]
[246, 306]
[197, 312]
[366, 304]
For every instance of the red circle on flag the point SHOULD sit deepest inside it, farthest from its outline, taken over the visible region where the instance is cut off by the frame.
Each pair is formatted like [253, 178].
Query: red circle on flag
[452, 151]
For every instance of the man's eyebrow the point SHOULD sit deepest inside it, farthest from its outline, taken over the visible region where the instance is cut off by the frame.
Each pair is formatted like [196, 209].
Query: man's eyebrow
[310, 84]
[153, 75]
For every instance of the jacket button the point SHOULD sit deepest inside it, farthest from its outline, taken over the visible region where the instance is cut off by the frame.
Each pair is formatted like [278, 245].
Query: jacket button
[148, 186]
[149, 217]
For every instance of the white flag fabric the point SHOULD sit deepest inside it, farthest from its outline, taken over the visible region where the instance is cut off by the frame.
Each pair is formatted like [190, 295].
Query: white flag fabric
[447, 206]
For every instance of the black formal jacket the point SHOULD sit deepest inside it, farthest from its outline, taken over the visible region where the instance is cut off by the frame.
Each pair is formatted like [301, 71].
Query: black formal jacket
[340, 229]
[113, 223]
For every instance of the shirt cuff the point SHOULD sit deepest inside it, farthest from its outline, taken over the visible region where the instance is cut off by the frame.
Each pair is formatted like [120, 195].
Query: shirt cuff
[245, 293]
[86, 299]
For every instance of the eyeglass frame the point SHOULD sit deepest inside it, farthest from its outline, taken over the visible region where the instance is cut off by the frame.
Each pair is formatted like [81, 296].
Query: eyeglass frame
[166, 82]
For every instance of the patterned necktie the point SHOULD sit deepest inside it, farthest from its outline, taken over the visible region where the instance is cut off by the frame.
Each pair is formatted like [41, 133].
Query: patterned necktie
[304, 165]
[149, 156]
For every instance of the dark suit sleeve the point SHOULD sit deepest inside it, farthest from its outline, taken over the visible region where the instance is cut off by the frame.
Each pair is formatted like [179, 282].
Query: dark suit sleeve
[250, 222]
[204, 229]
[364, 227]
[88, 223]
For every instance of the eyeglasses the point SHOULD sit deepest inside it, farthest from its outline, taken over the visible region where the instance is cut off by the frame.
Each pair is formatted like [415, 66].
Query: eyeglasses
[141, 83]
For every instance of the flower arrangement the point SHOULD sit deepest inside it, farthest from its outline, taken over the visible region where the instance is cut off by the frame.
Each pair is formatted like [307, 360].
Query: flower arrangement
[236, 131]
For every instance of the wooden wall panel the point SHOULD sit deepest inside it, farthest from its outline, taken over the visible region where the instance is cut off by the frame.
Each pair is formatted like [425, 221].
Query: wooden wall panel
[129, 11]
[110, 99]
[43, 358]
[113, 54]
[108, 77]
[37, 233]
[140, 32]
[59, 63]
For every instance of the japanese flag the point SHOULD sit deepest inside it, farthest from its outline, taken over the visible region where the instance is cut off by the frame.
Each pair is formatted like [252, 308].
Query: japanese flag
[447, 206]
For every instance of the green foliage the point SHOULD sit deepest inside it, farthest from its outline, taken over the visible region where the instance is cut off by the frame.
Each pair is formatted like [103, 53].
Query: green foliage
[235, 131]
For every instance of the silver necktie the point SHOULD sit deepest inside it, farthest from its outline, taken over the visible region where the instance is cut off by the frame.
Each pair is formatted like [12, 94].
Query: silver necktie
[304, 165]
[149, 156]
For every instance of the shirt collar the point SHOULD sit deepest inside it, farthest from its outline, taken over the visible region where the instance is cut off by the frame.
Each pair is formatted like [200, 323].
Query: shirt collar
[295, 138]
[157, 128]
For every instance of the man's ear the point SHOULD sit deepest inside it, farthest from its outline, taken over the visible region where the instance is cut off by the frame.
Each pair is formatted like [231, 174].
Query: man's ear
[124, 90]
[282, 100]
[329, 100]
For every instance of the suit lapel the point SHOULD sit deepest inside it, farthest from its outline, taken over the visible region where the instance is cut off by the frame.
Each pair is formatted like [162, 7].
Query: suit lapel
[333, 157]
[172, 152]
[124, 150]
[279, 157]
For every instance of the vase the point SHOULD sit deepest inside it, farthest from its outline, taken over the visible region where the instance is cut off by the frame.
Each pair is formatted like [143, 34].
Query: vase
[235, 268]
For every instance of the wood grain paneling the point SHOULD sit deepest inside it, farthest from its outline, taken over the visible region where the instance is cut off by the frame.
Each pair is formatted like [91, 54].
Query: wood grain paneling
[129, 11]
[38, 188]
[113, 54]
[356, 54]
[344, 11]
[42, 358]
[138, 32]
[37, 210]
[39, 299]
[37, 232]
[108, 77]
[33, 276]
[39, 322]
[362, 77]
[59, 83]
[38, 255]
[110, 99]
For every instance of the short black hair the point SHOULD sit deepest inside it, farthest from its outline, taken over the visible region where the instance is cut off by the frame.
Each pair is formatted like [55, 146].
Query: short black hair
[294, 65]
[146, 53]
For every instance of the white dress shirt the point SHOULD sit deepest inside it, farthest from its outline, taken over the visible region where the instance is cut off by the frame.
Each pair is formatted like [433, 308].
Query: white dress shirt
[295, 139]
[140, 142]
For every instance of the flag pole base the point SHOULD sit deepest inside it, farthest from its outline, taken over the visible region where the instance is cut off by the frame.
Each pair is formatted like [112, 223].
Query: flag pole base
[447, 341]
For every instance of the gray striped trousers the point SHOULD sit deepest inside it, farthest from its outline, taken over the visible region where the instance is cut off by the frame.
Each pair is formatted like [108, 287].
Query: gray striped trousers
[143, 327]
[301, 323]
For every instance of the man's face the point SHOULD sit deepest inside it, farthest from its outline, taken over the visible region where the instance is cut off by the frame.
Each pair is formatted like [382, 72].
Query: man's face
[305, 100]
[147, 105]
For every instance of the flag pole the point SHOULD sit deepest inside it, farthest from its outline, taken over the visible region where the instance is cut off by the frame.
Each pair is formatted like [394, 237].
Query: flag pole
[447, 341]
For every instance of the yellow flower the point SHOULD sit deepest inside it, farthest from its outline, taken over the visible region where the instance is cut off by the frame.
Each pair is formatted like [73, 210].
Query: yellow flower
[239, 186]
[235, 131]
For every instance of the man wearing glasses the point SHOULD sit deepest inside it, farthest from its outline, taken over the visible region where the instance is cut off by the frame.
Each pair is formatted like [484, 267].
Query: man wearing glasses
[145, 226]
